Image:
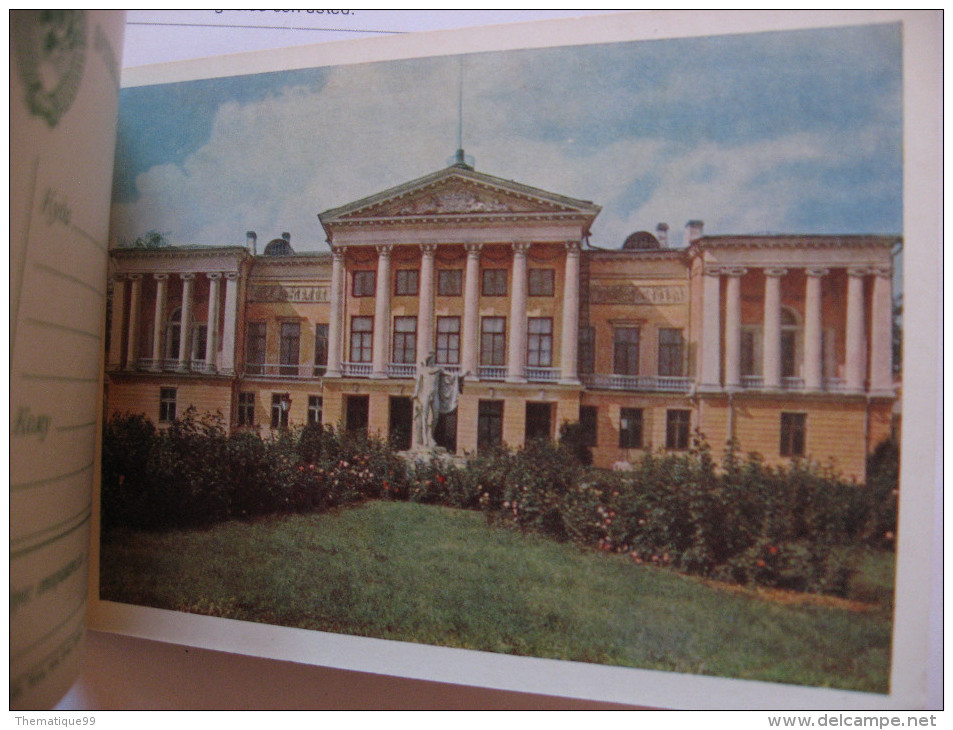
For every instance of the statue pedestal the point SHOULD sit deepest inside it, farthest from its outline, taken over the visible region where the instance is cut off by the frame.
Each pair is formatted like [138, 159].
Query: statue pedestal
[420, 456]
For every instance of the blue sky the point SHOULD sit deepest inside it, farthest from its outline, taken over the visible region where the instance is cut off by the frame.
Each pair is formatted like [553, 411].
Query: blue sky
[787, 132]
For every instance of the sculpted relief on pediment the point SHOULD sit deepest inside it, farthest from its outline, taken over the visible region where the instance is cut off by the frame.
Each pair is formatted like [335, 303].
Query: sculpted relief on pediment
[456, 200]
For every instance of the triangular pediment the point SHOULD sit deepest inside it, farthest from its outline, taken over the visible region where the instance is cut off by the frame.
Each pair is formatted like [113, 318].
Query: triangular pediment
[455, 193]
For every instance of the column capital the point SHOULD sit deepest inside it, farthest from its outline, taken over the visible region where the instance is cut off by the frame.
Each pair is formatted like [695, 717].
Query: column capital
[713, 270]
[473, 249]
[160, 277]
[816, 272]
[520, 248]
[383, 249]
[735, 271]
[428, 249]
[231, 275]
[775, 272]
[214, 275]
[573, 248]
[884, 272]
[187, 276]
[134, 277]
[858, 271]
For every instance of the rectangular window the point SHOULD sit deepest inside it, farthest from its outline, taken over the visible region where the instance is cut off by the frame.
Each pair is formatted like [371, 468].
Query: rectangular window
[314, 408]
[670, 352]
[677, 429]
[588, 424]
[166, 405]
[494, 282]
[280, 408]
[539, 343]
[320, 349]
[630, 428]
[406, 282]
[793, 431]
[542, 282]
[362, 339]
[587, 350]
[255, 348]
[199, 341]
[750, 352]
[364, 284]
[450, 282]
[489, 424]
[626, 351]
[493, 341]
[405, 340]
[448, 340]
[246, 409]
[290, 348]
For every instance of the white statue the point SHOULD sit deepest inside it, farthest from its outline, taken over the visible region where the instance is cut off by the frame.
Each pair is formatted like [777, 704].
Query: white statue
[436, 392]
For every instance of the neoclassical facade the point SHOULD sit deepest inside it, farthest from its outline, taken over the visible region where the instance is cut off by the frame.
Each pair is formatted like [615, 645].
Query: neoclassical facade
[782, 343]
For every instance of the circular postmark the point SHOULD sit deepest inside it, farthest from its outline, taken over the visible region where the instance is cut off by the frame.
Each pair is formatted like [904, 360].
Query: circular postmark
[50, 47]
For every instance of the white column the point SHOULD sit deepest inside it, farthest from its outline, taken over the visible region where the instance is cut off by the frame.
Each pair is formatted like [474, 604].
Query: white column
[471, 313]
[382, 313]
[856, 345]
[711, 329]
[516, 367]
[425, 306]
[881, 333]
[337, 310]
[118, 322]
[158, 322]
[211, 335]
[733, 328]
[771, 364]
[132, 345]
[230, 326]
[185, 323]
[568, 355]
[813, 331]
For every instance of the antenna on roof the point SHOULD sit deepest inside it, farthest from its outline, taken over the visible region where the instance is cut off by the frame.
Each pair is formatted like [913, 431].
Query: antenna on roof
[460, 159]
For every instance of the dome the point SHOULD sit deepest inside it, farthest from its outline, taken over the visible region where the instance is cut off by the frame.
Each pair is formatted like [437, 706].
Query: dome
[641, 240]
[280, 246]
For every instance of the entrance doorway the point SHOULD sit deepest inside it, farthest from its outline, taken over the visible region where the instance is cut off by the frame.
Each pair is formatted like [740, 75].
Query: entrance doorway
[401, 422]
[356, 413]
[539, 421]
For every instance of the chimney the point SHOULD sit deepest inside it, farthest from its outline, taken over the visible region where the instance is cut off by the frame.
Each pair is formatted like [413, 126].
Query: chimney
[693, 230]
[251, 242]
[661, 233]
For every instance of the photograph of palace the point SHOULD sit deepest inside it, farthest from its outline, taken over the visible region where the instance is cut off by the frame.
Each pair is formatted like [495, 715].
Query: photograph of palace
[629, 313]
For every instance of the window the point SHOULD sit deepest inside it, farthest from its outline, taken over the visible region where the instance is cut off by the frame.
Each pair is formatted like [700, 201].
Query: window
[290, 347]
[166, 405]
[314, 409]
[406, 282]
[362, 339]
[493, 341]
[588, 424]
[751, 350]
[246, 409]
[539, 345]
[630, 428]
[793, 431]
[280, 408]
[489, 424]
[199, 340]
[587, 350]
[173, 334]
[677, 428]
[365, 283]
[320, 349]
[450, 282]
[494, 282]
[542, 282]
[670, 352]
[255, 348]
[626, 351]
[539, 419]
[448, 341]
[405, 340]
[789, 338]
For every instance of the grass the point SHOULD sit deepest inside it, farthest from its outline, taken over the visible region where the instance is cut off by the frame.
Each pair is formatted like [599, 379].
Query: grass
[435, 575]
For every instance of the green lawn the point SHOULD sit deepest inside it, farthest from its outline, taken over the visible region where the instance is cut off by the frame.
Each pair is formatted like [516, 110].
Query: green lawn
[435, 575]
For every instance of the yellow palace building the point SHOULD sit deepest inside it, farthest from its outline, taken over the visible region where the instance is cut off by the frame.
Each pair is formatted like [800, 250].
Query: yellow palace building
[783, 343]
